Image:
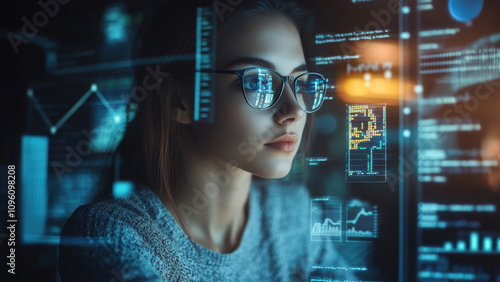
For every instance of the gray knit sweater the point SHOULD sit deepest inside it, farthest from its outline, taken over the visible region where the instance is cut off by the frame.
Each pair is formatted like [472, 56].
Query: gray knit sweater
[137, 239]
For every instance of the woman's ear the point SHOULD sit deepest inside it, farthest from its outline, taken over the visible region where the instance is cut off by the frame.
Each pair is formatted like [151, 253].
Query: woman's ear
[180, 112]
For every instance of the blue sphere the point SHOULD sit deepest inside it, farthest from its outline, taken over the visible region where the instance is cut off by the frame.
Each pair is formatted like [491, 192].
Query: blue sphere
[465, 10]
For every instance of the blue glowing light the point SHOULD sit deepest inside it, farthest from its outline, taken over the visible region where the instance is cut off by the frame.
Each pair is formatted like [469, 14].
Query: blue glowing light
[122, 188]
[115, 23]
[465, 10]
[34, 196]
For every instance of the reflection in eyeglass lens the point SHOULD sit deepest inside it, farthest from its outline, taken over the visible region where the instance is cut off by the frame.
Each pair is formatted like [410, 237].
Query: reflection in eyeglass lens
[260, 87]
[310, 89]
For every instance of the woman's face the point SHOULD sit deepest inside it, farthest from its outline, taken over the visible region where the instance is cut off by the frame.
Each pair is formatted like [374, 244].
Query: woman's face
[241, 134]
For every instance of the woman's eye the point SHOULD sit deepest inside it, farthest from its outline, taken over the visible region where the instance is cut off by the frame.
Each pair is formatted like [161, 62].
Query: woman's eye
[254, 84]
[250, 84]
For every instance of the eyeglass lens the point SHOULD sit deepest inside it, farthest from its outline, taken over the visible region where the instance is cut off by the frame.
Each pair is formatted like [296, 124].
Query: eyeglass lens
[262, 89]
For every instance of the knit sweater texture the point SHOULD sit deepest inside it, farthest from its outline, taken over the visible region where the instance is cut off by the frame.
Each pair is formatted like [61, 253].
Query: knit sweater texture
[135, 238]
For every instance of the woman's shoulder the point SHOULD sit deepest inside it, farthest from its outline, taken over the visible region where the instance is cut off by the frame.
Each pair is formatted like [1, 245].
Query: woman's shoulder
[110, 215]
[107, 237]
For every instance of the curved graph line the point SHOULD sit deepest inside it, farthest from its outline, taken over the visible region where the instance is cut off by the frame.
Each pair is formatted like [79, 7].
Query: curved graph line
[360, 213]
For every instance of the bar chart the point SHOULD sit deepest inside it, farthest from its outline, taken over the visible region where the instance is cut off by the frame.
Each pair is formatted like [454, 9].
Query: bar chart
[469, 243]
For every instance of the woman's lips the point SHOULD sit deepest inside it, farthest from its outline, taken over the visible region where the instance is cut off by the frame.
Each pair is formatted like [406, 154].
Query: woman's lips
[284, 143]
[287, 147]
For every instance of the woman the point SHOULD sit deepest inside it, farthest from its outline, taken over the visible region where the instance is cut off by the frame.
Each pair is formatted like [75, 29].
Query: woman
[196, 214]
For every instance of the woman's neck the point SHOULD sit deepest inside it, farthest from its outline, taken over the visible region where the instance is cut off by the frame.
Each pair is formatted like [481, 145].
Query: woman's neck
[213, 200]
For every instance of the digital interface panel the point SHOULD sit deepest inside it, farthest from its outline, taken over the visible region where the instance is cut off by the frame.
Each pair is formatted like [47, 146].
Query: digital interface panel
[409, 126]
[326, 220]
[454, 132]
[366, 154]
[336, 220]
[206, 24]
[361, 221]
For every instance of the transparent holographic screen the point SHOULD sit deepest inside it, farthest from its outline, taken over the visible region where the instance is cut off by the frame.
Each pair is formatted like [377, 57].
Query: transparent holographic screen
[366, 157]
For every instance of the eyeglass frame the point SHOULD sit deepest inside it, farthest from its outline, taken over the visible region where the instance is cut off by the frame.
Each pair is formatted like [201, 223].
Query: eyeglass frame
[284, 79]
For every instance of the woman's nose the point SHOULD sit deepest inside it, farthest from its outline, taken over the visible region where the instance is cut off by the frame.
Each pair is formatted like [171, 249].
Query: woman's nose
[288, 110]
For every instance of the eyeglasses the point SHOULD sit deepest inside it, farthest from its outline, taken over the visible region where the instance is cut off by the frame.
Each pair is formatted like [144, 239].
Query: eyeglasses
[262, 87]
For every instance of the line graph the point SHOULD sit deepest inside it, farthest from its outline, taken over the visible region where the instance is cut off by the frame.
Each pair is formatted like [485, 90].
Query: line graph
[360, 213]
[326, 220]
[54, 127]
[361, 221]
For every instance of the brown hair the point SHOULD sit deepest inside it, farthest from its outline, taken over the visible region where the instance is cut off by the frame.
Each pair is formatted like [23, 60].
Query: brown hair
[151, 150]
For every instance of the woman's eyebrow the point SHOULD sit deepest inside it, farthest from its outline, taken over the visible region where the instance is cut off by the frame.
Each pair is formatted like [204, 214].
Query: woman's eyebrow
[251, 61]
[261, 62]
[300, 68]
